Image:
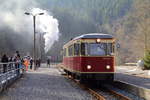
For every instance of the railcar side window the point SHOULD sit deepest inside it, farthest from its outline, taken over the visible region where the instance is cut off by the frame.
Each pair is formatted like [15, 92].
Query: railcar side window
[76, 49]
[64, 52]
[84, 47]
[70, 50]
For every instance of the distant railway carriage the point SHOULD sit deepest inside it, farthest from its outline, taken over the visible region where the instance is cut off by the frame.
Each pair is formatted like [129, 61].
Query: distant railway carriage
[90, 57]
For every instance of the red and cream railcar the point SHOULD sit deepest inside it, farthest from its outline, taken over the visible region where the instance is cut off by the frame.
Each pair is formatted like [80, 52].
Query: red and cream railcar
[90, 56]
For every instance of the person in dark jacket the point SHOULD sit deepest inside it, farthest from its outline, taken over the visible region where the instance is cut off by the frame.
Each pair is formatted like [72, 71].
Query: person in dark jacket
[17, 60]
[4, 60]
[18, 54]
[48, 62]
[31, 63]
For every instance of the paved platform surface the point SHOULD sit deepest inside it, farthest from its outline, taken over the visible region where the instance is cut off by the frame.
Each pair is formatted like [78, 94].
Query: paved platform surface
[133, 75]
[44, 84]
[133, 70]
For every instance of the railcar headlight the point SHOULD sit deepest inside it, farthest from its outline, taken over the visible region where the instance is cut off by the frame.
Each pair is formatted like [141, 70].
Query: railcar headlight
[98, 40]
[108, 67]
[89, 66]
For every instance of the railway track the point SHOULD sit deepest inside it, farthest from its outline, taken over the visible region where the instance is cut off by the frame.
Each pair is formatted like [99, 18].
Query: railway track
[119, 96]
[120, 90]
[96, 92]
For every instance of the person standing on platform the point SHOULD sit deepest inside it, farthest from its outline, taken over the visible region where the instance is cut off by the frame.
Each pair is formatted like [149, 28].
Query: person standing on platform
[10, 65]
[36, 63]
[39, 64]
[17, 59]
[4, 60]
[26, 63]
[31, 63]
[48, 62]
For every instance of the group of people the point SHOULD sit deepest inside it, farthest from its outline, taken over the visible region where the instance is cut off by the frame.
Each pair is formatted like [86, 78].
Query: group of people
[5, 59]
[28, 62]
[24, 62]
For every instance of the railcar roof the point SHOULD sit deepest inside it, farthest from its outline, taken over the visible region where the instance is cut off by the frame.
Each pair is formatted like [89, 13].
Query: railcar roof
[94, 35]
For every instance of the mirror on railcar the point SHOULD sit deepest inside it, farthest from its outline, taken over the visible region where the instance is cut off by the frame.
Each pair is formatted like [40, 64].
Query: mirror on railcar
[76, 49]
[117, 46]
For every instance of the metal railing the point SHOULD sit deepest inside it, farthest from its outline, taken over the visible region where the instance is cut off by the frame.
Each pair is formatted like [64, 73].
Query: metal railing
[9, 72]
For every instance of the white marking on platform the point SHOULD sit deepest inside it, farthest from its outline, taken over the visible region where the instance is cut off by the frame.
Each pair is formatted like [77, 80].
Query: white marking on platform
[121, 68]
[132, 70]
[148, 73]
[126, 70]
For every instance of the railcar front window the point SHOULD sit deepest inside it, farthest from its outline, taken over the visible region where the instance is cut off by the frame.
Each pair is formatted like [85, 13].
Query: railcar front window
[96, 49]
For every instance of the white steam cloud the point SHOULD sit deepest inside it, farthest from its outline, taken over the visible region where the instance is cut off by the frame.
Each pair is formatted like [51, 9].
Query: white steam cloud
[12, 16]
[47, 24]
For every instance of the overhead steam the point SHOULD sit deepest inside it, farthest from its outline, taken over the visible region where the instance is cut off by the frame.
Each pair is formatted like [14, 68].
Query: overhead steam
[12, 15]
[47, 25]
[13, 18]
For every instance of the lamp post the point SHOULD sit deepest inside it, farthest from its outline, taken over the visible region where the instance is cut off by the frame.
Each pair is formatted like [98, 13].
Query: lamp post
[34, 26]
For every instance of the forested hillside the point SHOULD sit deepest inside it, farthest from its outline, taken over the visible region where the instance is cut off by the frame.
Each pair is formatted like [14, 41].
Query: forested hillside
[133, 32]
[79, 16]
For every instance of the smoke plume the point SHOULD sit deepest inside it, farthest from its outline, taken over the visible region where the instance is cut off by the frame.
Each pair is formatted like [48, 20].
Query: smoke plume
[47, 25]
[13, 18]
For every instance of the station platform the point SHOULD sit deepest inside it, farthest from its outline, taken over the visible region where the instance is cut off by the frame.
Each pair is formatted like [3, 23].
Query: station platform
[44, 84]
[133, 75]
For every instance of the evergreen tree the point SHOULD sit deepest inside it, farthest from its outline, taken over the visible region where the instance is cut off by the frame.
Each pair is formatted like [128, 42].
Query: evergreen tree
[147, 60]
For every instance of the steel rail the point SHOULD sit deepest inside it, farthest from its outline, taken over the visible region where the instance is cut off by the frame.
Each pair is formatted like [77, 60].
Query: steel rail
[3, 74]
[119, 95]
[9, 63]
[10, 73]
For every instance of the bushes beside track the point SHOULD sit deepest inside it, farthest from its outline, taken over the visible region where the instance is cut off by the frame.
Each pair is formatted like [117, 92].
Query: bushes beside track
[147, 60]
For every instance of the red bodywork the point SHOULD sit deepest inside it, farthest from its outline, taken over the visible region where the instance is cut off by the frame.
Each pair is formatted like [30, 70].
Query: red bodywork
[79, 64]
